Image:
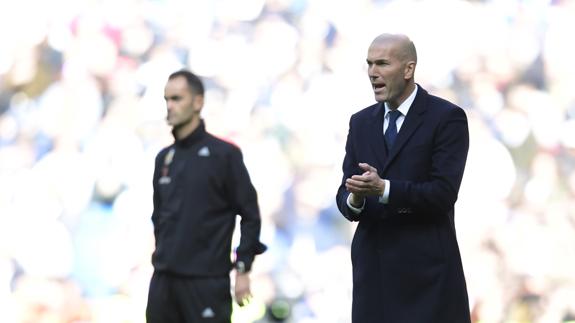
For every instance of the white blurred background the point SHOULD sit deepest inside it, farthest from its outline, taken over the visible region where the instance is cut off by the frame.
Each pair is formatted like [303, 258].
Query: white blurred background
[82, 117]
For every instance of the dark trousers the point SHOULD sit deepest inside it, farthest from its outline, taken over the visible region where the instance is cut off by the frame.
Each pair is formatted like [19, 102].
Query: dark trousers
[177, 299]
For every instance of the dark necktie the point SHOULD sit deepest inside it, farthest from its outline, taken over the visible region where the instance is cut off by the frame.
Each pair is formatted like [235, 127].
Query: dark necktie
[391, 131]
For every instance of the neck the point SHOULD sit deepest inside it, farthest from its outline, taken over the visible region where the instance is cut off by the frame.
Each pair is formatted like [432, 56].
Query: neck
[184, 130]
[408, 90]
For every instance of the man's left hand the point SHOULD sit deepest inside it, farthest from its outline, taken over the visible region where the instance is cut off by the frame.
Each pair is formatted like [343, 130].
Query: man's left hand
[242, 289]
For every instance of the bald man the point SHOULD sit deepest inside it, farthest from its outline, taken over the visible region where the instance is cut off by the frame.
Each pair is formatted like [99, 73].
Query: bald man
[404, 161]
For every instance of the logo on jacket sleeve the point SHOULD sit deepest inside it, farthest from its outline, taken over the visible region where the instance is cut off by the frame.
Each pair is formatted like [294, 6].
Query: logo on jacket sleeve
[208, 313]
[204, 152]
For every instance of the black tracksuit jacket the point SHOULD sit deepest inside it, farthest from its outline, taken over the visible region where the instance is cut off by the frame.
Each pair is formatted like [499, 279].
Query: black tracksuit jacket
[200, 185]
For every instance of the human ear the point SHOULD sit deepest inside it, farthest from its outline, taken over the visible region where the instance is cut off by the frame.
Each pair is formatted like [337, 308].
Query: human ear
[409, 70]
[198, 102]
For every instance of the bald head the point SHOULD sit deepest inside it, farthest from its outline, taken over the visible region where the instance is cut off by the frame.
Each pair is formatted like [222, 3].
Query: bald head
[402, 46]
[391, 61]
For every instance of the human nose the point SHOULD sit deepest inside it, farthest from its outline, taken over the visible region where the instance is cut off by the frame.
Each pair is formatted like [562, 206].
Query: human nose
[371, 72]
[169, 104]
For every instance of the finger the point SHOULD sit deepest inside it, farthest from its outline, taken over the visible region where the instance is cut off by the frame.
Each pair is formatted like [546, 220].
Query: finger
[356, 190]
[242, 293]
[367, 167]
[352, 189]
[244, 299]
[359, 178]
[240, 301]
[355, 184]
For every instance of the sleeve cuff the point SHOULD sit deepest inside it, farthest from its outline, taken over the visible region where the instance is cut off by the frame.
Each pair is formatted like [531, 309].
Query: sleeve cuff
[353, 208]
[384, 198]
[244, 260]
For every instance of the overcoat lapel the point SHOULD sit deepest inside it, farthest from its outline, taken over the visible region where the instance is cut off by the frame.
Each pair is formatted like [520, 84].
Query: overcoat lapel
[376, 132]
[412, 121]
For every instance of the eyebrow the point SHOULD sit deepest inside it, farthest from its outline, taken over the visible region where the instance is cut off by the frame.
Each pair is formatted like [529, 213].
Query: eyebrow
[173, 97]
[376, 61]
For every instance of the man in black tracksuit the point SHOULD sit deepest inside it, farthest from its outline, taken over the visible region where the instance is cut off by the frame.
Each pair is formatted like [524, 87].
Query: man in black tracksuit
[200, 185]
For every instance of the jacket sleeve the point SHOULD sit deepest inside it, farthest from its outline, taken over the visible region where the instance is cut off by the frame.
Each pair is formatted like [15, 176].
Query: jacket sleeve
[155, 177]
[244, 197]
[351, 167]
[449, 153]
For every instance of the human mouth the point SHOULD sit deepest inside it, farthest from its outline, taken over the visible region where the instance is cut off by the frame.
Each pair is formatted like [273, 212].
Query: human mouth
[170, 117]
[377, 87]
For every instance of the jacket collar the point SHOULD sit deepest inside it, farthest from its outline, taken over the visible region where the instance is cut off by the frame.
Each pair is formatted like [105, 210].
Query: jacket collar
[194, 137]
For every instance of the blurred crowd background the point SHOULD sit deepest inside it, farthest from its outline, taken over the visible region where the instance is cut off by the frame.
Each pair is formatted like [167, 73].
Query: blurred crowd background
[82, 117]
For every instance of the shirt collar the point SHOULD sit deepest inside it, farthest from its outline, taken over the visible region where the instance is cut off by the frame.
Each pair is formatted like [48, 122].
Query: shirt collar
[404, 107]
